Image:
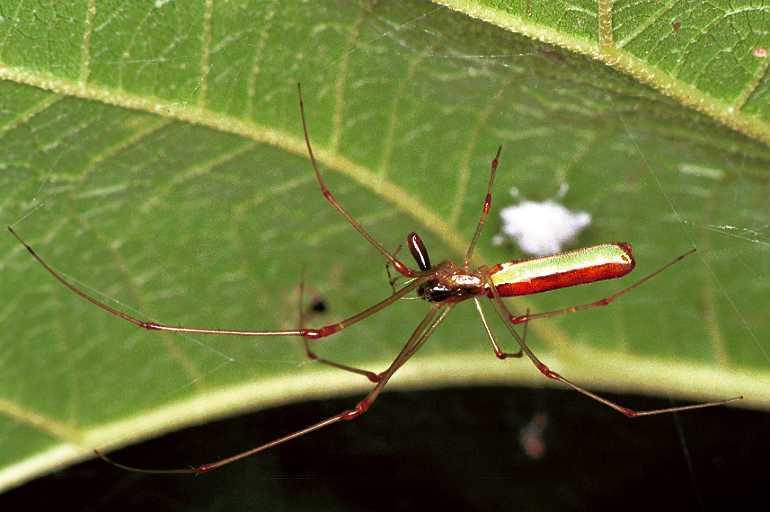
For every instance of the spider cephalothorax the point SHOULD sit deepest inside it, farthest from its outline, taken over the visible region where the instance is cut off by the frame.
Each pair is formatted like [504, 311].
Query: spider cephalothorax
[449, 282]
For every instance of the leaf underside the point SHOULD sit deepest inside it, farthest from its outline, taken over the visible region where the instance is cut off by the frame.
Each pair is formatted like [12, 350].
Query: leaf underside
[152, 151]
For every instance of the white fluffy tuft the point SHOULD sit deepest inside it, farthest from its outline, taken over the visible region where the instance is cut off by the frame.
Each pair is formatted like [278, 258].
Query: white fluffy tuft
[542, 228]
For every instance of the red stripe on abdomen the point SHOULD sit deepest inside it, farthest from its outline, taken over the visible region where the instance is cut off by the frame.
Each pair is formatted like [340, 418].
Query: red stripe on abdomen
[564, 279]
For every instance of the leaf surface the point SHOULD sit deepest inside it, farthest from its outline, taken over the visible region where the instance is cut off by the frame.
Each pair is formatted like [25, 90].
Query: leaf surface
[152, 152]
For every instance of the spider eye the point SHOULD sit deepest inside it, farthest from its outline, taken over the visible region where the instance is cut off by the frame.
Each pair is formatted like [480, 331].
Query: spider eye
[418, 250]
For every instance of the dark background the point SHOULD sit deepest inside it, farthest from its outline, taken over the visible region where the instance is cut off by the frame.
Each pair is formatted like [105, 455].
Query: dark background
[451, 449]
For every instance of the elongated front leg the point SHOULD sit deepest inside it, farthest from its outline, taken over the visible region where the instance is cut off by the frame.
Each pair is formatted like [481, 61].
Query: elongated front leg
[309, 333]
[505, 316]
[419, 336]
[397, 264]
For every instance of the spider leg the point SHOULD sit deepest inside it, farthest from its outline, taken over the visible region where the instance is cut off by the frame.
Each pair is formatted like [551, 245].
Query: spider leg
[491, 335]
[372, 376]
[505, 315]
[311, 334]
[397, 264]
[484, 209]
[391, 278]
[419, 336]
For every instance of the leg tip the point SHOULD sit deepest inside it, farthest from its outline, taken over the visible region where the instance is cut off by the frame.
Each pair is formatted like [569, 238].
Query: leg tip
[199, 470]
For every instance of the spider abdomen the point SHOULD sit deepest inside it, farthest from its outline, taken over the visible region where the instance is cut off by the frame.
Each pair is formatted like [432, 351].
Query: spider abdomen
[586, 265]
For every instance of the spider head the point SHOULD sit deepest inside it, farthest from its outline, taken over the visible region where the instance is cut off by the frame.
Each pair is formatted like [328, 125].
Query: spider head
[434, 290]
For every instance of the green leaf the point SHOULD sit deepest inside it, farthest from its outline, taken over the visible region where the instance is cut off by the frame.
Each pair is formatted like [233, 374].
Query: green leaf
[152, 152]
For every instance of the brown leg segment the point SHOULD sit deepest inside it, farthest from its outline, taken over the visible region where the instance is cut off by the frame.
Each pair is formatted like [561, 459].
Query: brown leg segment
[491, 335]
[397, 264]
[505, 314]
[391, 278]
[311, 334]
[419, 336]
[372, 376]
[484, 209]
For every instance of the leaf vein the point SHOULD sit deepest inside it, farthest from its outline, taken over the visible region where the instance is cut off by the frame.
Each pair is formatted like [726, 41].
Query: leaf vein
[389, 142]
[342, 76]
[264, 36]
[85, 54]
[26, 115]
[205, 49]
[39, 421]
[642, 27]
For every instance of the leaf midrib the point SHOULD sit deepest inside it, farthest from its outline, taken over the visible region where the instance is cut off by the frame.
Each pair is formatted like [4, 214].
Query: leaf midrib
[727, 114]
